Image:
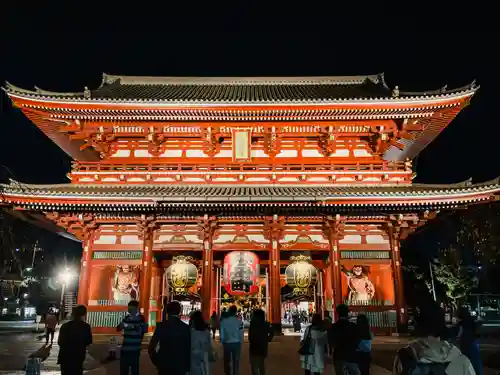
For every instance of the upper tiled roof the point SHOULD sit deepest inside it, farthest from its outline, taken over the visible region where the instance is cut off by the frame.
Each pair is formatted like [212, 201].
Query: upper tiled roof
[250, 90]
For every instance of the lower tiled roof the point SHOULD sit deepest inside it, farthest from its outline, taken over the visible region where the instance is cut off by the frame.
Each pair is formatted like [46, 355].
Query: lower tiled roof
[242, 193]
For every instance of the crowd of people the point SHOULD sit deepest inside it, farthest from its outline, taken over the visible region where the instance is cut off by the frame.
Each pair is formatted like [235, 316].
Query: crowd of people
[177, 348]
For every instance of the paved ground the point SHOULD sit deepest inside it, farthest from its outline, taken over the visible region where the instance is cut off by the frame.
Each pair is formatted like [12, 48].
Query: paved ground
[283, 356]
[15, 348]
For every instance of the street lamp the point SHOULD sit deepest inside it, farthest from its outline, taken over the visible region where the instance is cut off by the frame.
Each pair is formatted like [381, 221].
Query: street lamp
[64, 277]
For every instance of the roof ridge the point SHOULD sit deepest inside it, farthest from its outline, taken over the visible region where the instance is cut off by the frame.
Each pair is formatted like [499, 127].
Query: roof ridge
[443, 90]
[194, 80]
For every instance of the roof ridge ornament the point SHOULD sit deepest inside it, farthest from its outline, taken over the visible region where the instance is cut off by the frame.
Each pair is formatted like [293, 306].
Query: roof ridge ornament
[86, 93]
[395, 92]
[381, 79]
[473, 85]
[444, 89]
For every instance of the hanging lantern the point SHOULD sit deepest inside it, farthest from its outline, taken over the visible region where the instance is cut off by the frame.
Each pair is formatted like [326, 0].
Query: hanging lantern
[301, 275]
[241, 273]
[182, 274]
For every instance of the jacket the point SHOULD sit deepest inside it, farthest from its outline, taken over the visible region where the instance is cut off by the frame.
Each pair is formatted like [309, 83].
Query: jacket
[434, 350]
[174, 354]
[231, 330]
[259, 336]
[344, 339]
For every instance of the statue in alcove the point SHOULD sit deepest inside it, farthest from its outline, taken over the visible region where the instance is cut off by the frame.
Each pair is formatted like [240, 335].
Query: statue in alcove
[361, 289]
[126, 284]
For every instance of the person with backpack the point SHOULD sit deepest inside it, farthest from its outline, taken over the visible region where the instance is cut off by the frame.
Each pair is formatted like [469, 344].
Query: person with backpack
[429, 354]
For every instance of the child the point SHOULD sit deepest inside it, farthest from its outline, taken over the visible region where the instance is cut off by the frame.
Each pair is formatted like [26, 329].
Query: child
[113, 344]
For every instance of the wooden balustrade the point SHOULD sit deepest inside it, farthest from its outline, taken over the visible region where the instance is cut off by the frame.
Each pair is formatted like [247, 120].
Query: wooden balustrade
[92, 167]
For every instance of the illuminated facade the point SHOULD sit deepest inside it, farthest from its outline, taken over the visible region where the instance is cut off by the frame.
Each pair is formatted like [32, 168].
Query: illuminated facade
[315, 168]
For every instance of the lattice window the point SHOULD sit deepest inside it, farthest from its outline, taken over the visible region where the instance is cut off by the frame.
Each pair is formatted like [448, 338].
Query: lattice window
[365, 254]
[119, 255]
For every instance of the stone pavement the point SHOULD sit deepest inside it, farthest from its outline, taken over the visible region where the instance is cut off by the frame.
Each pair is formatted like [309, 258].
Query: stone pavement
[283, 356]
[283, 359]
[15, 348]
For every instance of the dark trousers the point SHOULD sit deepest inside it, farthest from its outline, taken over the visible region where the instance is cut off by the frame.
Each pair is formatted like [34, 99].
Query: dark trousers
[129, 360]
[364, 362]
[257, 365]
[308, 372]
[49, 332]
[71, 368]
[214, 330]
[232, 353]
[342, 367]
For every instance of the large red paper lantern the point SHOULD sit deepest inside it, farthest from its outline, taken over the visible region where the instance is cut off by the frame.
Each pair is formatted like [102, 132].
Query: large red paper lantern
[241, 273]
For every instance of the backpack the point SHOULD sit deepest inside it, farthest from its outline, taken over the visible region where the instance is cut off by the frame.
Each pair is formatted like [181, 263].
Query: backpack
[411, 366]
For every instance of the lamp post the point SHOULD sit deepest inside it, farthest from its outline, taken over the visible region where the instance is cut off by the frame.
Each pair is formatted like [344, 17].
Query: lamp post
[64, 277]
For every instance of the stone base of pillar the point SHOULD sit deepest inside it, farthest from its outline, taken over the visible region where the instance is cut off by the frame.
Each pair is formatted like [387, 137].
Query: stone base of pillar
[277, 328]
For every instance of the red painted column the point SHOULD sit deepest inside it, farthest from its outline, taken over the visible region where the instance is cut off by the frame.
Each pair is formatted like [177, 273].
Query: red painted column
[207, 267]
[85, 269]
[274, 292]
[215, 302]
[328, 287]
[398, 277]
[333, 229]
[146, 274]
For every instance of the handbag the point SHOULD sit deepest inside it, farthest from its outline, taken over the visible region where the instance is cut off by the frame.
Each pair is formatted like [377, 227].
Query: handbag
[306, 345]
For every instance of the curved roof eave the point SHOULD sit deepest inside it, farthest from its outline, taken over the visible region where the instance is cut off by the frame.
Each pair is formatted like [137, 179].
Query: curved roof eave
[434, 97]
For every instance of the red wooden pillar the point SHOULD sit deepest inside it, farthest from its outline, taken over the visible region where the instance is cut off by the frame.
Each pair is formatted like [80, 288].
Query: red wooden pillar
[86, 268]
[275, 286]
[328, 288]
[398, 277]
[215, 301]
[146, 274]
[333, 229]
[207, 267]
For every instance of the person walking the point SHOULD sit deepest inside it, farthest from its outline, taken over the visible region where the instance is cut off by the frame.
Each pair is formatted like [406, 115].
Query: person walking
[202, 350]
[365, 344]
[260, 334]
[231, 337]
[345, 342]
[134, 327]
[429, 354]
[173, 337]
[468, 339]
[50, 326]
[74, 338]
[313, 343]
[214, 324]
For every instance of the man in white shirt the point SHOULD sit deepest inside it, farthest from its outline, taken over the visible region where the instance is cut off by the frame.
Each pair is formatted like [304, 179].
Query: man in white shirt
[231, 337]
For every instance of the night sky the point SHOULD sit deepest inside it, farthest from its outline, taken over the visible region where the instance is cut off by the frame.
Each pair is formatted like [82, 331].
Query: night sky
[467, 148]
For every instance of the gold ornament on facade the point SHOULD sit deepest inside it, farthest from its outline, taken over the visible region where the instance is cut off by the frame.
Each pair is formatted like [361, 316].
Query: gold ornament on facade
[182, 274]
[301, 275]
